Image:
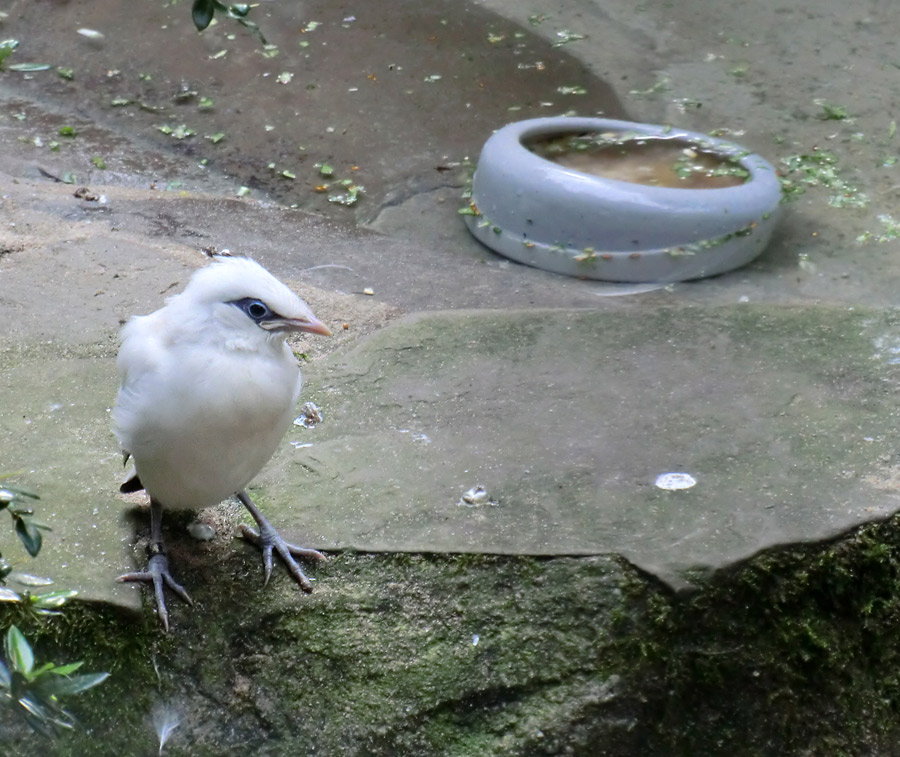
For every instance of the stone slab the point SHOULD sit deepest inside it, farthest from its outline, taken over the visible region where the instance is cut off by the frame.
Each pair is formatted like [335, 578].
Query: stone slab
[784, 416]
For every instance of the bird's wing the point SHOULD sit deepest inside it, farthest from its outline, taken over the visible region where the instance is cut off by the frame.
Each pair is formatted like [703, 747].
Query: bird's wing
[142, 348]
[142, 356]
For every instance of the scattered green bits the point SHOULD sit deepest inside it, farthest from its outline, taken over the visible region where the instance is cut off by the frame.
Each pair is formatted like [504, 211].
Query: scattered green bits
[566, 36]
[6, 49]
[67, 131]
[831, 112]
[99, 162]
[890, 232]
[819, 168]
[182, 131]
[66, 73]
[215, 138]
[576, 90]
[660, 86]
[350, 197]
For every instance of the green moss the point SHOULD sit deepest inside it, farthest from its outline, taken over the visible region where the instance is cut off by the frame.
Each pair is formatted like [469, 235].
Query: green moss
[792, 652]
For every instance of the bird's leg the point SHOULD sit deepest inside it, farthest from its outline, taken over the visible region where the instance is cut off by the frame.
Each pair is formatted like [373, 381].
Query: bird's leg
[157, 571]
[268, 539]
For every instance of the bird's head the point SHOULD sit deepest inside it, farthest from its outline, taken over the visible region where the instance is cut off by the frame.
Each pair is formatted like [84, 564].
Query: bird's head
[243, 296]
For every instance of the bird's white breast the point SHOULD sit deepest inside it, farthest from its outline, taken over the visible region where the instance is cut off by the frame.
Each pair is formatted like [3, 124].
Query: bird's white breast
[201, 417]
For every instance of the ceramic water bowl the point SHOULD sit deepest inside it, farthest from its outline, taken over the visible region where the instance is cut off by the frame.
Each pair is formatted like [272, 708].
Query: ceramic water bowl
[717, 213]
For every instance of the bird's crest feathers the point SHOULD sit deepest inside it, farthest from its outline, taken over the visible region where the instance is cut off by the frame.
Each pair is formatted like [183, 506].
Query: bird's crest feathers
[228, 279]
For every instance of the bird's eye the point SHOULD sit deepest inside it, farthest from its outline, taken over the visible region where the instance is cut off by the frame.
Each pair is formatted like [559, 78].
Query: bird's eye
[257, 310]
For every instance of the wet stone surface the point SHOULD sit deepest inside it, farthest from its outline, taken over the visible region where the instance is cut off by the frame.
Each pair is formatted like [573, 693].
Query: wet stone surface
[566, 419]
[428, 81]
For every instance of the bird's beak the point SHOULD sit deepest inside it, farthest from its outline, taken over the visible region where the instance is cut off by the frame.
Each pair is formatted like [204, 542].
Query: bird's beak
[310, 325]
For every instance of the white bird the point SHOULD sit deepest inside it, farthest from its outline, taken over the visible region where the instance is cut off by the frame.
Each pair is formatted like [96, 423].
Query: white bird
[207, 390]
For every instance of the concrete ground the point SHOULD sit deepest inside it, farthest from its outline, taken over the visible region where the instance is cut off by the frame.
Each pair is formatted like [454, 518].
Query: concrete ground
[774, 386]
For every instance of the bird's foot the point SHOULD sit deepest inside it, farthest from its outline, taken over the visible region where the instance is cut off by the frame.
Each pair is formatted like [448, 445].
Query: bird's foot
[158, 574]
[269, 540]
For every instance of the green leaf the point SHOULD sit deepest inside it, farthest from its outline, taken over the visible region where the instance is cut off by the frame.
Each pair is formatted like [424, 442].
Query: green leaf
[18, 652]
[52, 599]
[29, 67]
[202, 13]
[29, 534]
[248, 24]
[99, 162]
[8, 595]
[39, 711]
[6, 48]
[19, 490]
[65, 73]
[39, 671]
[67, 131]
[66, 670]
[63, 686]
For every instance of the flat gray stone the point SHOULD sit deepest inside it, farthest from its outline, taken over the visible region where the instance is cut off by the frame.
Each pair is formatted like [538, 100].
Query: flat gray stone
[784, 416]
[55, 434]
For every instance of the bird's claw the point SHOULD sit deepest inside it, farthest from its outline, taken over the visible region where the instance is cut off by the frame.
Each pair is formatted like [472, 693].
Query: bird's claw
[158, 574]
[269, 540]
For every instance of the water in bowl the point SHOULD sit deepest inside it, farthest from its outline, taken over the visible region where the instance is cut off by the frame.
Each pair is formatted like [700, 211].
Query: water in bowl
[655, 161]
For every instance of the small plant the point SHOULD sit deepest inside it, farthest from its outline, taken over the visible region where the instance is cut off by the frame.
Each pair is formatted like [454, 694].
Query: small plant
[16, 501]
[202, 12]
[34, 693]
